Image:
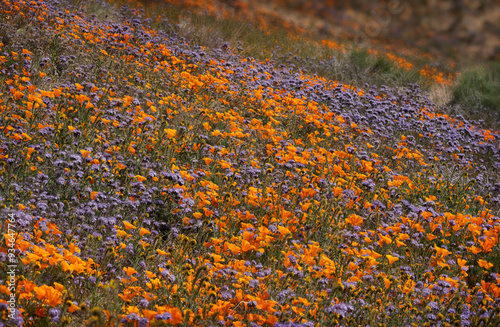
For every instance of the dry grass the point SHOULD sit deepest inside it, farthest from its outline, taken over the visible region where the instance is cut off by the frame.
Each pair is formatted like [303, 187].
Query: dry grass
[440, 94]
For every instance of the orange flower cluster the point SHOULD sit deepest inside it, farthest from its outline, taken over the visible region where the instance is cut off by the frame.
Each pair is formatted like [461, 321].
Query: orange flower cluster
[166, 184]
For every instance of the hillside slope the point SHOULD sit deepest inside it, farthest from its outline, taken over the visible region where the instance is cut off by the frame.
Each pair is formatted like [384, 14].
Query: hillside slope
[146, 180]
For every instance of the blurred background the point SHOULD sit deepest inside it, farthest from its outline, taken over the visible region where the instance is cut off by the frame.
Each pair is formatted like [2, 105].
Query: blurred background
[470, 27]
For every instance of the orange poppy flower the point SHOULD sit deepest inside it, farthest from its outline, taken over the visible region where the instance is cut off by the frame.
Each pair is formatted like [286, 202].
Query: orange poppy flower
[144, 231]
[484, 264]
[234, 248]
[354, 220]
[246, 246]
[129, 271]
[72, 308]
[391, 258]
[171, 133]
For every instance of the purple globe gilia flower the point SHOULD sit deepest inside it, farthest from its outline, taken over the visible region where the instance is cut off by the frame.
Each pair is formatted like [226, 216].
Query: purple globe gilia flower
[144, 303]
[54, 314]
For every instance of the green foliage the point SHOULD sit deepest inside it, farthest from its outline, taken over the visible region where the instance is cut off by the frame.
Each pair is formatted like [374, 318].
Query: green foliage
[477, 93]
